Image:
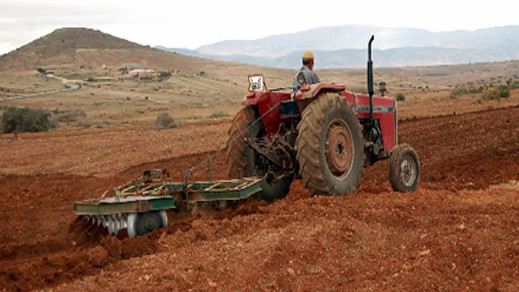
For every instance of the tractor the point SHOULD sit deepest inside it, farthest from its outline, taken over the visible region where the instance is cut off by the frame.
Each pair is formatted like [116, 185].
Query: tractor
[322, 134]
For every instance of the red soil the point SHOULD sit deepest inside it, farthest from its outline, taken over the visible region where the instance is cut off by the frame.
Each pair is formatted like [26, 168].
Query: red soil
[454, 232]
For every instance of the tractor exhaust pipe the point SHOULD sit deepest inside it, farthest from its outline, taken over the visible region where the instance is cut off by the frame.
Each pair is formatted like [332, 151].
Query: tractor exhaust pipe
[370, 79]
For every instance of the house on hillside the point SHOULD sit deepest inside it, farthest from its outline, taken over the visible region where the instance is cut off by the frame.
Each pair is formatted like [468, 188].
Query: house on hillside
[142, 73]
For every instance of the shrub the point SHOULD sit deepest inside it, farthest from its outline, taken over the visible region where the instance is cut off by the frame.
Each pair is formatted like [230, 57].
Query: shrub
[41, 71]
[400, 97]
[492, 93]
[164, 74]
[19, 120]
[165, 121]
[460, 91]
[504, 92]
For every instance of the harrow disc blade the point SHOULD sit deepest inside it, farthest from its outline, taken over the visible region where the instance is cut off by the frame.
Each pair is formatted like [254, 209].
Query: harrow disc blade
[123, 223]
[111, 225]
[104, 221]
[142, 223]
[117, 225]
[131, 221]
[135, 223]
[163, 218]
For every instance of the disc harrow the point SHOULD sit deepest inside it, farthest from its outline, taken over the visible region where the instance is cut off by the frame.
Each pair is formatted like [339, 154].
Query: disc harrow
[140, 205]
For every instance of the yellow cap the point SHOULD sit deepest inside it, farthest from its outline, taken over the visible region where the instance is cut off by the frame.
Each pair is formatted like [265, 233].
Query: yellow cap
[308, 55]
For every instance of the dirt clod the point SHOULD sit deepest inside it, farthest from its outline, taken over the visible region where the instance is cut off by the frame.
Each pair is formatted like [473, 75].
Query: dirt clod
[98, 257]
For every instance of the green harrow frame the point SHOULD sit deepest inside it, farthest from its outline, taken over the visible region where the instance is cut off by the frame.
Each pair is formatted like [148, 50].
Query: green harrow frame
[140, 206]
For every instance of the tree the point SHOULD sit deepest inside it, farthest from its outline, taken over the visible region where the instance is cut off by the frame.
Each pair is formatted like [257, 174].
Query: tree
[19, 120]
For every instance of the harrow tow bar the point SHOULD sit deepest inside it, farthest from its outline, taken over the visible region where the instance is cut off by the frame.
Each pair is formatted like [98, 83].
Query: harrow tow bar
[140, 206]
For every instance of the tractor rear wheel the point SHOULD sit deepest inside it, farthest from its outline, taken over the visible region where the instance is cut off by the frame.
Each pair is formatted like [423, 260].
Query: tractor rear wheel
[330, 147]
[404, 168]
[243, 161]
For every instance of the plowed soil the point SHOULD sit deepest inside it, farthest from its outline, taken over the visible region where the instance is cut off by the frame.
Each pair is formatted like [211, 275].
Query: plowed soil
[459, 231]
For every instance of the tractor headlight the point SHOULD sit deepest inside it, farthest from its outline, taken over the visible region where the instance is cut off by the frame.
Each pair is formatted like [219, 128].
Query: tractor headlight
[256, 83]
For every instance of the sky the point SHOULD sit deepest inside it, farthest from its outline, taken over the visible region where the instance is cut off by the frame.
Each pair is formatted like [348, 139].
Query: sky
[193, 23]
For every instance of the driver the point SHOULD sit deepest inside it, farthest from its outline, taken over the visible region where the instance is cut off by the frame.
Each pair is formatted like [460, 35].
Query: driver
[306, 75]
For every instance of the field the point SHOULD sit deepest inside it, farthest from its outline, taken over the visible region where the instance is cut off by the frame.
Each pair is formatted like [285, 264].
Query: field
[458, 231]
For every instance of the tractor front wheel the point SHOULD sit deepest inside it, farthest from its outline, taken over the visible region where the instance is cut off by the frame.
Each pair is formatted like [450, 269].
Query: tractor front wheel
[404, 168]
[330, 147]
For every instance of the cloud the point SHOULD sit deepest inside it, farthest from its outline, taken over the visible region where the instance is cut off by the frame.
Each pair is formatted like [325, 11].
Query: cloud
[198, 22]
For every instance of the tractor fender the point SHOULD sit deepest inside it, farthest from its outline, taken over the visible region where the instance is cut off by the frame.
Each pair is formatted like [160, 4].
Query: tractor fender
[245, 101]
[313, 90]
[252, 97]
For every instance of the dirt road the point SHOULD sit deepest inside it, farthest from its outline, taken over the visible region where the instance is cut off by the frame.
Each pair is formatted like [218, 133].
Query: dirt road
[459, 230]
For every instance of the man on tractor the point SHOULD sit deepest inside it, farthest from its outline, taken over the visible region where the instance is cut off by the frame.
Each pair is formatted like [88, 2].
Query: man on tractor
[306, 75]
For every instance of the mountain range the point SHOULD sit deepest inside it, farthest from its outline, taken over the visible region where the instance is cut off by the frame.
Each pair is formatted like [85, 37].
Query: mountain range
[345, 47]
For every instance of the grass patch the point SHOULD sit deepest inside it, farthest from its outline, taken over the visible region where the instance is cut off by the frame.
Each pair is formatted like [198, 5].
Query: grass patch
[75, 75]
[67, 115]
[218, 114]
[362, 90]
[460, 91]
[192, 118]
[88, 124]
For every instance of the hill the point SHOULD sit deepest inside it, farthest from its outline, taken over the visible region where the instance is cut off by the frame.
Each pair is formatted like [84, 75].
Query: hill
[197, 87]
[61, 46]
[344, 47]
[189, 88]
[71, 48]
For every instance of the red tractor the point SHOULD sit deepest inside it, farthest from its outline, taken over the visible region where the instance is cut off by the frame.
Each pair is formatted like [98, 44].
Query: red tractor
[322, 134]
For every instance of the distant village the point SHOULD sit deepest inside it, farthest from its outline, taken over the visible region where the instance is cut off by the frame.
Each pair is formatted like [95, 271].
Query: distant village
[138, 70]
